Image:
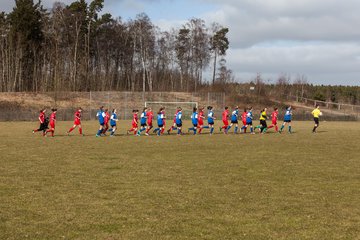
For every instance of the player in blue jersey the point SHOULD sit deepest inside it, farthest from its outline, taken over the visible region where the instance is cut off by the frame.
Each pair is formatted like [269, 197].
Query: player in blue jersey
[178, 120]
[160, 121]
[211, 119]
[234, 119]
[113, 121]
[249, 119]
[101, 117]
[143, 119]
[194, 120]
[287, 119]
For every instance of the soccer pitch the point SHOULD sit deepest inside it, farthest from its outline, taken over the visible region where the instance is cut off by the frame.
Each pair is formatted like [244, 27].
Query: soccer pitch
[272, 186]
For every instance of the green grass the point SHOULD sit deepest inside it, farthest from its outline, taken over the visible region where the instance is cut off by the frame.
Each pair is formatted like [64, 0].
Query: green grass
[299, 186]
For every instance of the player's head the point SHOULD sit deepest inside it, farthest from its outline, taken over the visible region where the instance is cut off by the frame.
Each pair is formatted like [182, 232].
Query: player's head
[114, 110]
[275, 109]
[236, 107]
[265, 109]
[179, 109]
[80, 109]
[149, 109]
[209, 107]
[54, 109]
[245, 109]
[250, 108]
[101, 108]
[194, 109]
[317, 106]
[106, 110]
[145, 109]
[160, 110]
[226, 108]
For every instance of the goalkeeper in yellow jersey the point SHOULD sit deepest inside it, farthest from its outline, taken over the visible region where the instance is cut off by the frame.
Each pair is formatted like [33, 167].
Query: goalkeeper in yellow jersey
[316, 113]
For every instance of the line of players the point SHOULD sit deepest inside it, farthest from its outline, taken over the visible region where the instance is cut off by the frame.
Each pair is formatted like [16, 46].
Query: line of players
[108, 121]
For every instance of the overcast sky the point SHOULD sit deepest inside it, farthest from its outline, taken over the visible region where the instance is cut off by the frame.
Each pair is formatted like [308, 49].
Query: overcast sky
[319, 39]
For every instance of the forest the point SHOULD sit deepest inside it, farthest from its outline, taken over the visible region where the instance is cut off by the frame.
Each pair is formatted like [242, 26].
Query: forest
[79, 47]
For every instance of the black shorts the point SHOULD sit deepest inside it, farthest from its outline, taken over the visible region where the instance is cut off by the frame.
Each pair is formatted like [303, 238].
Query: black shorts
[195, 125]
[179, 124]
[316, 120]
[143, 125]
[113, 125]
[263, 123]
[160, 126]
[235, 121]
[248, 123]
[287, 121]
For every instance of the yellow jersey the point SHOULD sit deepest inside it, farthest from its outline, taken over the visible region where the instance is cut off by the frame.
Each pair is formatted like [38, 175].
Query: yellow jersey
[316, 113]
[263, 115]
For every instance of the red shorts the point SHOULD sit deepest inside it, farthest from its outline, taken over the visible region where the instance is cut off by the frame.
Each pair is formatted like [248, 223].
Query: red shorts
[201, 123]
[274, 122]
[134, 125]
[52, 124]
[149, 124]
[244, 123]
[77, 122]
[226, 122]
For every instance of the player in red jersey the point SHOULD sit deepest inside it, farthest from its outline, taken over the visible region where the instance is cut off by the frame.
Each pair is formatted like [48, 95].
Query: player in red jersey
[243, 119]
[43, 122]
[134, 122]
[106, 121]
[77, 122]
[52, 122]
[274, 117]
[201, 119]
[174, 126]
[225, 119]
[150, 117]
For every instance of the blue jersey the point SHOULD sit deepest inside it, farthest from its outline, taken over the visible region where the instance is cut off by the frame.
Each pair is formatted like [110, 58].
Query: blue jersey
[178, 118]
[160, 119]
[234, 115]
[101, 116]
[249, 117]
[288, 114]
[113, 119]
[194, 118]
[143, 118]
[210, 117]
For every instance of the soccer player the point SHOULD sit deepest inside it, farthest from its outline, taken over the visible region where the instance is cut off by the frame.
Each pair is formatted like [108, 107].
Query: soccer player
[210, 119]
[160, 121]
[101, 117]
[106, 121]
[43, 123]
[274, 117]
[316, 113]
[201, 120]
[150, 117]
[134, 122]
[249, 119]
[113, 121]
[194, 120]
[52, 122]
[225, 119]
[287, 119]
[234, 120]
[243, 119]
[143, 119]
[179, 121]
[77, 122]
[263, 126]
[174, 126]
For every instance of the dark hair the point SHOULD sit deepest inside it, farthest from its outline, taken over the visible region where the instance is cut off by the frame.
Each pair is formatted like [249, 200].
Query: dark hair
[113, 109]
[54, 109]
[101, 107]
[245, 109]
[209, 107]
[275, 108]
[226, 108]
[194, 109]
[160, 110]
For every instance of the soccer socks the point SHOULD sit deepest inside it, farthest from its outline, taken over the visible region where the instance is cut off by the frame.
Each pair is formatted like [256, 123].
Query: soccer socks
[99, 132]
[156, 130]
[282, 127]
[251, 129]
[314, 129]
[71, 129]
[80, 130]
[289, 129]
[236, 129]
[179, 131]
[205, 127]
[211, 130]
[276, 128]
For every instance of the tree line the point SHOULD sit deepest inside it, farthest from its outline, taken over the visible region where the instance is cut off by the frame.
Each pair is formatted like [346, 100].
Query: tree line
[77, 47]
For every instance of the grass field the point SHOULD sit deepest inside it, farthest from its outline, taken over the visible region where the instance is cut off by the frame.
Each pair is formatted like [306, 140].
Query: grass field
[298, 186]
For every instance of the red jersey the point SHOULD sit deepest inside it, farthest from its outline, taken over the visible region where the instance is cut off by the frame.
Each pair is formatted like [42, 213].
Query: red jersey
[107, 117]
[175, 115]
[52, 118]
[42, 117]
[150, 116]
[135, 118]
[243, 117]
[225, 115]
[274, 116]
[77, 117]
[201, 118]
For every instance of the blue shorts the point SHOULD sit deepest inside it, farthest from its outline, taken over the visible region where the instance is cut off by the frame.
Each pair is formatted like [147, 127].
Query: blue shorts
[211, 123]
[249, 123]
